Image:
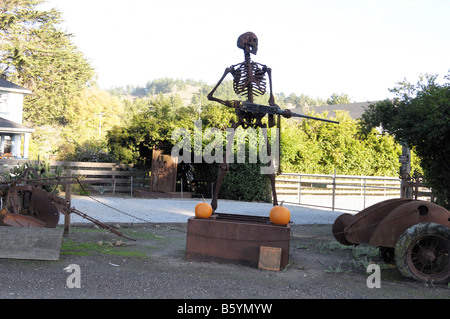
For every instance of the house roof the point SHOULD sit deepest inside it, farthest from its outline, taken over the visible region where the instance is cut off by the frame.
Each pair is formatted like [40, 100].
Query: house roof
[355, 110]
[11, 87]
[7, 126]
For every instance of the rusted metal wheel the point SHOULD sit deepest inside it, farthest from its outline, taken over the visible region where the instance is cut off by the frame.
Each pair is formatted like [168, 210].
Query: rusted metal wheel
[338, 228]
[45, 210]
[422, 252]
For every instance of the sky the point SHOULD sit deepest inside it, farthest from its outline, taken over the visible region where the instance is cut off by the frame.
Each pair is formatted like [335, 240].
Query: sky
[361, 48]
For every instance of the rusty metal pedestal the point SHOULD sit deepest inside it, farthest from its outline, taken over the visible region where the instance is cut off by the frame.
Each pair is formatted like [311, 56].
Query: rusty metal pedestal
[232, 238]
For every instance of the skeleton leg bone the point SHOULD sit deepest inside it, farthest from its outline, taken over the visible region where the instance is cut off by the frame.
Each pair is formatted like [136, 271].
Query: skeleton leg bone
[223, 170]
[224, 167]
[271, 166]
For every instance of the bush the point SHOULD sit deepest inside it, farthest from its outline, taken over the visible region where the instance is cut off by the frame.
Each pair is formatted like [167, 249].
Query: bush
[90, 152]
[40, 170]
[245, 182]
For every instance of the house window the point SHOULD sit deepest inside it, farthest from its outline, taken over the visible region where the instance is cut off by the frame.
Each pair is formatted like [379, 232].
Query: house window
[3, 102]
[8, 145]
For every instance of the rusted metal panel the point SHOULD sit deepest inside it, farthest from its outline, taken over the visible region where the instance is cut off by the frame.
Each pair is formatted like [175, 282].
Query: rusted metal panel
[164, 171]
[269, 258]
[235, 239]
[339, 226]
[405, 216]
[382, 224]
[359, 228]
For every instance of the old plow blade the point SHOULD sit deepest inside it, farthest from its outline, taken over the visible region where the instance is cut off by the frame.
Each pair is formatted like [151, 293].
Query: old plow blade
[31, 206]
[100, 224]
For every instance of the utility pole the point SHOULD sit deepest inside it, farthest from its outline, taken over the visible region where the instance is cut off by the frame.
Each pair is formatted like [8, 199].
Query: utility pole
[100, 124]
[405, 171]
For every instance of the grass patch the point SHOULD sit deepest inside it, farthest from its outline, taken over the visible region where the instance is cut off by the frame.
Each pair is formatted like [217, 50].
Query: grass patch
[142, 234]
[324, 247]
[337, 269]
[71, 247]
[363, 256]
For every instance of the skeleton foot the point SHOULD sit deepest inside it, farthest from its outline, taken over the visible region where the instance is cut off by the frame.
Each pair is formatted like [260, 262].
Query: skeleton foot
[274, 191]
[224, 168]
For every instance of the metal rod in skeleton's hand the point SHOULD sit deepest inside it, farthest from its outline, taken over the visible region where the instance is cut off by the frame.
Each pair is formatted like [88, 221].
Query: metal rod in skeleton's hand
[265, 109]
[314, 118]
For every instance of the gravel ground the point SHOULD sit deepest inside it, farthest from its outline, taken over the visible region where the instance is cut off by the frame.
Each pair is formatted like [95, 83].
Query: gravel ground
[154, 267]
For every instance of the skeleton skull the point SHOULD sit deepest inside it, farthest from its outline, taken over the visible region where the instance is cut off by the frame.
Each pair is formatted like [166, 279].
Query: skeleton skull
[248, 42]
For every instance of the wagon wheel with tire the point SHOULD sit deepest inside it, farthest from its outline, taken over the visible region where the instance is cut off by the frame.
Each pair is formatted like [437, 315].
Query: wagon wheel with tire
[422, 252]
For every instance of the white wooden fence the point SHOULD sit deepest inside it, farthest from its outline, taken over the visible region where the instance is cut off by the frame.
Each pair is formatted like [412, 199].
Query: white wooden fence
[338, 192]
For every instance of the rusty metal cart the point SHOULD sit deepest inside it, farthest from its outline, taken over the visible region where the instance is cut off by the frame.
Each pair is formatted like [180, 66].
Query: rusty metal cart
[415, 234]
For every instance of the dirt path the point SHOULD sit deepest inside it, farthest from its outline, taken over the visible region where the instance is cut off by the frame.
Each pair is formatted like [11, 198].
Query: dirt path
[154, 266]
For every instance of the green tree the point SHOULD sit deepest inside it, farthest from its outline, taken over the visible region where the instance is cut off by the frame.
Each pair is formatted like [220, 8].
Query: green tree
[338, 99]
[316, 147]
[419, 116]
[36, 54]
[90, 115]
[152, 125]
[300, 100]
[90, 151]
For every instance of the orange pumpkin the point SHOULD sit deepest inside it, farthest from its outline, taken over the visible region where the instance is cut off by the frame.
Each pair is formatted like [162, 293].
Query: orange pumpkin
[280, 215]
[203, 210]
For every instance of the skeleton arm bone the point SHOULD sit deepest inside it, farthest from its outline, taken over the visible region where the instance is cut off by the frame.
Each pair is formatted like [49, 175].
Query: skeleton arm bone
[212, 98]
[271, 99]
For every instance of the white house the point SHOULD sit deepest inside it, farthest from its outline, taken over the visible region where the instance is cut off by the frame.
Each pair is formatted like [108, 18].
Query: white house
[15, 136]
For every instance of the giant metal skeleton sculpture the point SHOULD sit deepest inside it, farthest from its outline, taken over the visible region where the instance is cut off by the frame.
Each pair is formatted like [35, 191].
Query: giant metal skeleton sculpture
[249, 80]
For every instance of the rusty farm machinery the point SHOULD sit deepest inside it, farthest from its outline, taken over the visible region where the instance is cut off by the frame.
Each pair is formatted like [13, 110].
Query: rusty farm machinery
[30, 200]
[412, 233]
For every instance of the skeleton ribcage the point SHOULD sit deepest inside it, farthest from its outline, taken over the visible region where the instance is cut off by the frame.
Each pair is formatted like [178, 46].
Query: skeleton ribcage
[249, 80]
